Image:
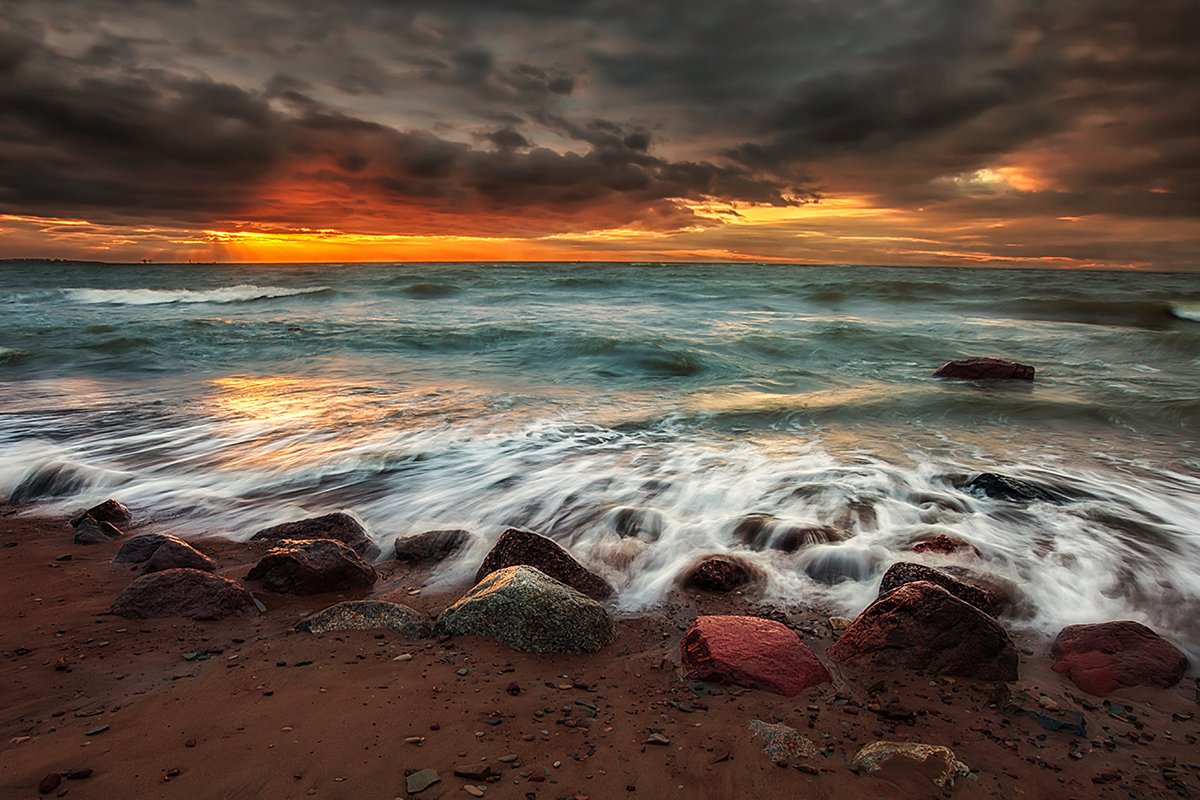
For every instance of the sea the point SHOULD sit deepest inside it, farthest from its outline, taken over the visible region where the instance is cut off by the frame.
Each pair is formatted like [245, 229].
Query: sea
[636, 413]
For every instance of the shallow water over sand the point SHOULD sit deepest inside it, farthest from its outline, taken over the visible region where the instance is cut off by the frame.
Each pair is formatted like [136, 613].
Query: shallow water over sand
[559, 397]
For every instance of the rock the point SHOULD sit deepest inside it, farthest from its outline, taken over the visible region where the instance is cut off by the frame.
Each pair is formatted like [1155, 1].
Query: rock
[944, 545]
[110, 511]
[752, 652]
[637, 523]
[421, 780]
[902, 572]
[1003, 487]
[312, 566]
[516, 546]
[531, 611]
[718, 574]
[475, 772]
[431, 545]
[839, 624]
[474, 791]
[58, 480]
[984, 369]
[833, 564]
[934, 761]
[138, 549]
[362, 615]
[338, 526]
[90, 531]
[183, 593]
[1107, 656]
[783, 745]
[765, 531]
[49, 783]
[921, 626]
[174, 554]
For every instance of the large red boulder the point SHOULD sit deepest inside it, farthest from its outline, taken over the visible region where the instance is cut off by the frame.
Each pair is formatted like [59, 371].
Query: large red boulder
[312, 566]
[339, 526]
[750, 651]
[718, 574]
[183, 593]
[984, 369]
[1107, 656]
[517, 547]
[921, 626]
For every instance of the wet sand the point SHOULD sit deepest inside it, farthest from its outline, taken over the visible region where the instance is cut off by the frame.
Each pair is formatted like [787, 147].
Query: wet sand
[247, 708]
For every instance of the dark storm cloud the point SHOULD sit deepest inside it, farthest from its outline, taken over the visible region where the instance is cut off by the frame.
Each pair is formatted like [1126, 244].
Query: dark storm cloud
[595, 113]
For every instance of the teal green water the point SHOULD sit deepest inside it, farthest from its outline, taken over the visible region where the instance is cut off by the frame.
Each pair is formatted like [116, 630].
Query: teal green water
[553, 396]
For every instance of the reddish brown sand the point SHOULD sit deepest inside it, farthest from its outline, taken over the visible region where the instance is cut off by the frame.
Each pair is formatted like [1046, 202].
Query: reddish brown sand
[276, 714]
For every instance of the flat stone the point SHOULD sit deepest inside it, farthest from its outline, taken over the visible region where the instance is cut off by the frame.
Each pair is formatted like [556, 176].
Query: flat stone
[421, 780]
[782, 744]
[936, 762]
[361, 615]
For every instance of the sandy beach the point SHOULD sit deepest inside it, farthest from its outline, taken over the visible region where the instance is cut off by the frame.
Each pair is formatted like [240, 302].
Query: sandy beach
[248, 707]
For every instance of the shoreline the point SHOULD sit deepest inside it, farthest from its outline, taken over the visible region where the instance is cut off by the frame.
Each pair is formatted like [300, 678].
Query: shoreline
[248, 707]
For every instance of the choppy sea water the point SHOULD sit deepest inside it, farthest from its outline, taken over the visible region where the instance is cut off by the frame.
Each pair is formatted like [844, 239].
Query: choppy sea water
[219, 399]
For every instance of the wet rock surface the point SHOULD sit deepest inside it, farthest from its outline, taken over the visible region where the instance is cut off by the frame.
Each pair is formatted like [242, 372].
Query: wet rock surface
[312, 566]
[984, 369]
[1106, 656]
[976, 593]
[187, 593]
[766, 532]
[1017, 490]
[111, 511]
[719, 574]
[339, 526]
[750, 651]
[431, 546]
[531, 611]
[922, 626]
[361, 615]
[520, 547]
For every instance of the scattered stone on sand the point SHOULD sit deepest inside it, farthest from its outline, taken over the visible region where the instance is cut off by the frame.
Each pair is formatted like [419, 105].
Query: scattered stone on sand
[475, 772]
[1106, 656]
[750, 651]
[362, 615]
[984, 369]
[934, 761]
[657, 739]
[1003, 487]
[138, 549]
[922, 626]
[944, 545]
[473, 790]
[637, 523]
[431, 546]
[978, 595]
[339, 526]
[783, 745]
[49, 783]
[531, 611]
[766, 532]
[90, 531]
[174, 554]
[839, 624]
[183, 593]
[719, 574]
[312, 566]
[421, 780]
[516, 547]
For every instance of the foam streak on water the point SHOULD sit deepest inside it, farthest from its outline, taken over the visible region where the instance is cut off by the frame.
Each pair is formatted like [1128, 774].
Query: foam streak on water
[572, 400]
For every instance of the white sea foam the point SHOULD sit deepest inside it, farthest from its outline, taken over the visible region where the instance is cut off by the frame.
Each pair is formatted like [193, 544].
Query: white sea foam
[226, 294]
[1188, 311]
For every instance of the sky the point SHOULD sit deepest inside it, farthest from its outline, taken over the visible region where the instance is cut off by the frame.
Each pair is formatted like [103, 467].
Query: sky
[1060, 133]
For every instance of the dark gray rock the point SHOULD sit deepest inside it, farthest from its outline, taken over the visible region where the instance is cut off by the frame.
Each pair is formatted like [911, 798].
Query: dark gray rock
[177, 554]
[431, 546]
[976, 593]
[89, 531]
[516, 546]
[1016, 490]
[362, 615]
[339, 526]
[528, 610]
[312, 566]
[109, 511]
[183, 593]
[138, 549]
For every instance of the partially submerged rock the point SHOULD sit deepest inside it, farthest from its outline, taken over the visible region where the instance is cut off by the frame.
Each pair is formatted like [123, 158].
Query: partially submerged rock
[312, 566]
[640, 523]
[718, 574]
[1107, 656]
[528, 610]
[943, 545]
[90, 531]
[984, 369]
[111, 511]
[752, 652]
[885, 759]
[183, 593]
[782, 744]
[362, 615]
[765, 531]
[431, 546]
[976, 593]
[516, 547]
[833, 564]
[338, 526]
[1003, 487]
[921, 626]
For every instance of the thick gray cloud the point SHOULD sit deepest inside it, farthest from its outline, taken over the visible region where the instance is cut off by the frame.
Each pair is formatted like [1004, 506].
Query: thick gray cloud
[540, 116]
